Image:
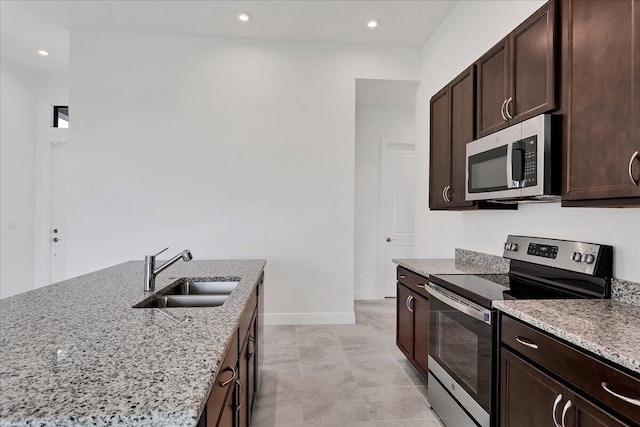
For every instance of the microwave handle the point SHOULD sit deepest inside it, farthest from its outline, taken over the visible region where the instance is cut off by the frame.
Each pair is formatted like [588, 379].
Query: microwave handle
[509, 166]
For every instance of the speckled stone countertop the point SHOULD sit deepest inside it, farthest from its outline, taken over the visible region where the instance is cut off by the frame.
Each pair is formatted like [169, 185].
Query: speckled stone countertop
[77, 353]
[607, 328]
[466, 262]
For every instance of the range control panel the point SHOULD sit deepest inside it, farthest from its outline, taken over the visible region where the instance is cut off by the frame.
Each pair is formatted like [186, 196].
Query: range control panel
[547, 251]
[588, 258]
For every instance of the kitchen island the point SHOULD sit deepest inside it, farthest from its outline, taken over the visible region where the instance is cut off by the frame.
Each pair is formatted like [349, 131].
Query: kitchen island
[77, 353]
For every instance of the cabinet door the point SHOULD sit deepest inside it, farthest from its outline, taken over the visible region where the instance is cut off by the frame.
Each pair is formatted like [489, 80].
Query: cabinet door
[421, 333]
[585, 414]
[462, 91]
[439, 149]
[532, 62]
[242, 386]
[528, 397]
[492, 88]
[227, 415]
[404, 322]
[251, 366]
[600, 50]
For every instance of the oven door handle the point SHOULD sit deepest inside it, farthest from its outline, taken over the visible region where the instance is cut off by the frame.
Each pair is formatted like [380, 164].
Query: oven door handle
[461, 306]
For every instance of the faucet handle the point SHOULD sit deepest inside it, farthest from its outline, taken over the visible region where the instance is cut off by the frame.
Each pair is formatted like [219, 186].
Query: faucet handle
[161, 251]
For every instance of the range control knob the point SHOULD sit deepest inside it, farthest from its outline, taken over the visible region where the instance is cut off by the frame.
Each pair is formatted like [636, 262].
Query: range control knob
[589, 259]
[514, 246]
[507, 246]
[576, 256]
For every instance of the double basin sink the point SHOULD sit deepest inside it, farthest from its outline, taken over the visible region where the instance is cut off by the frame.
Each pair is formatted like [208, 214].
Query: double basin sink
[192, 292]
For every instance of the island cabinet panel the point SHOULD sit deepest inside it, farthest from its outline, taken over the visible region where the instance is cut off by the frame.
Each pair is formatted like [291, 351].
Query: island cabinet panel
[231, 399]
[412, 328]
[601, 102]
[222, 393]
[516, 78]
[541, 375]
[452, 126]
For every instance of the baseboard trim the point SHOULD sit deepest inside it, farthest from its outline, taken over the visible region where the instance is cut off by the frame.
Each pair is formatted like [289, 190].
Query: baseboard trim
[346, 318]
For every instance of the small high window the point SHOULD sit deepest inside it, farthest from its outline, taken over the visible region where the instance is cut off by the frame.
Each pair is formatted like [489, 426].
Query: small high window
[60, 116]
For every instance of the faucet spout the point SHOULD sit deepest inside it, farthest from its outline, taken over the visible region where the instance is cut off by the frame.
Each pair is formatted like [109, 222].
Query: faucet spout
[150, 270]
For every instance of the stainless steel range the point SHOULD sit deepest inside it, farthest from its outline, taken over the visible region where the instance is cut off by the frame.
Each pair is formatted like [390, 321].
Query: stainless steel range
[463, 336]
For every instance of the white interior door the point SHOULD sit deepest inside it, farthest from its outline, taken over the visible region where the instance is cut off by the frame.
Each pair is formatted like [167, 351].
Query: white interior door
[398, 183]
[58, 226]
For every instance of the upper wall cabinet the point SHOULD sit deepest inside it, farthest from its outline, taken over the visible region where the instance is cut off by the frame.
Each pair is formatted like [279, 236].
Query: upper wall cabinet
[601, 102]
[452, 126]
[516, 78]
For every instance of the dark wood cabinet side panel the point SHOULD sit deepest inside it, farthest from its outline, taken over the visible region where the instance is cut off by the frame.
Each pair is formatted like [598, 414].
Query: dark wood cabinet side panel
[404, 322]
[599, 54]
[526, 394]
[462, 97]
[532, 51]
[492, 89]
[439, 149]
[421, 334]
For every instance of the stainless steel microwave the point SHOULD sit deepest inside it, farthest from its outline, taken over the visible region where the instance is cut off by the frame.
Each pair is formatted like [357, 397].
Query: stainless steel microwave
[518, 163]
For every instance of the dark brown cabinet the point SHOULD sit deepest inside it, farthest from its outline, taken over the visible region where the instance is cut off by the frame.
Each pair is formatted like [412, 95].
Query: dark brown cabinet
[452, 126]
[231, 399]
[412, 327]
[601, 102]
[543, 380]
[517, 77]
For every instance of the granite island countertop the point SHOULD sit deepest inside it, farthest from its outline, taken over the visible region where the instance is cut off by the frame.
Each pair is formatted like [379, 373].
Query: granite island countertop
[77, 353]
[607, 328]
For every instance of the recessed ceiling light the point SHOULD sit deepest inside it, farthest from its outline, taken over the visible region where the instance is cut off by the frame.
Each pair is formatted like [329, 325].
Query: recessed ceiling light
[244, 16]
[43, 52]
[373, 23]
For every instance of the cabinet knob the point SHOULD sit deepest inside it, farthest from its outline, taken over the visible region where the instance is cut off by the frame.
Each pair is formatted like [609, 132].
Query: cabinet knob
[389, 239]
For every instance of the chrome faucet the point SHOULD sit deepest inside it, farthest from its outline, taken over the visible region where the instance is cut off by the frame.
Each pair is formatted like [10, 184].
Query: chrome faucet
[150, 270]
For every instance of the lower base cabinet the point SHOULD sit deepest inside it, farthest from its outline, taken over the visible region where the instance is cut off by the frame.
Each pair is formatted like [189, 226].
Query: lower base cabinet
[231, 399]
[412, 319]
[546, 383]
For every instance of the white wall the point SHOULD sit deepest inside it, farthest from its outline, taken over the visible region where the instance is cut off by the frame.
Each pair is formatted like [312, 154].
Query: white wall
[17, 178]
[234, 149]
[463, 38]
[374, 125]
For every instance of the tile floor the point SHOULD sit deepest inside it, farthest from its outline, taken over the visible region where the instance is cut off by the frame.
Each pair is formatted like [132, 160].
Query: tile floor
[341, 375]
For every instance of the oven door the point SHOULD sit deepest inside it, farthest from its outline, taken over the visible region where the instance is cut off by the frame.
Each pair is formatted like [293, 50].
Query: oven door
[460, 342]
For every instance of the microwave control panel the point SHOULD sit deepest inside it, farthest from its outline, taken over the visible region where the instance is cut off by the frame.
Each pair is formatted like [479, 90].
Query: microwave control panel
[524, 162]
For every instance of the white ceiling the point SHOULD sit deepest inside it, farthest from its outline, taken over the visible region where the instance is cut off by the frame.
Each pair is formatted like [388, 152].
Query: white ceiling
[29, 25]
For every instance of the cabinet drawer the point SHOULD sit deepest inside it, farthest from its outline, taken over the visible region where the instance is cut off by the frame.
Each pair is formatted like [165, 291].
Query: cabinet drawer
[225, 380]
[577, 368]
[247, 316]
[413, 281]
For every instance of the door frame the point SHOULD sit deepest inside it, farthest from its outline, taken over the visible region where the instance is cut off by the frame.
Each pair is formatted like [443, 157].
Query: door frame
[44, 201]
[382, 229]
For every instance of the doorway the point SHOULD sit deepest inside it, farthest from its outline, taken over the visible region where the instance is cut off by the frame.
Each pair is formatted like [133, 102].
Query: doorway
[385, 116]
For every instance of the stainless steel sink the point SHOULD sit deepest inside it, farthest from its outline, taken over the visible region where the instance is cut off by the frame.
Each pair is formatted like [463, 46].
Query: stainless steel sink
[192, 292]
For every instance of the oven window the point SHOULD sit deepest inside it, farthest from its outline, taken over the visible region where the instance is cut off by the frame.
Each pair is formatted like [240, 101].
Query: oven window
[458, 346]
[488, 170]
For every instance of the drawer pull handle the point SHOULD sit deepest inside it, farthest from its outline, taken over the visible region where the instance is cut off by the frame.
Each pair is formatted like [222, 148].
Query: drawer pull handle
[527, 343]
[607, 388]
[555, 406]
[402, 276]
[564, 411]
[230, 380]
[634, 156]
[421, 285]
